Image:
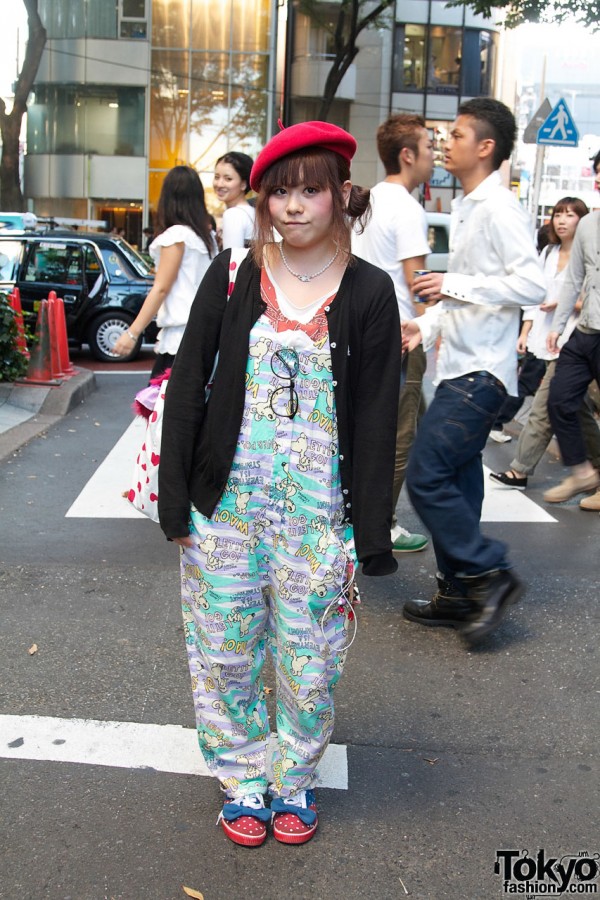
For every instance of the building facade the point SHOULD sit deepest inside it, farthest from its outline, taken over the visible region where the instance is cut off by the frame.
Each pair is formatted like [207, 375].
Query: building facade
[129, 88]
[424, 58]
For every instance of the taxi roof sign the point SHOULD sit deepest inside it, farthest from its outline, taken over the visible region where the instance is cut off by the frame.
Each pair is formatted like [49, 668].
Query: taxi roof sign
[559, 129]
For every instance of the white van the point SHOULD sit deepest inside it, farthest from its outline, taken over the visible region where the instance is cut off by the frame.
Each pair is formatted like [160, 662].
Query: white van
[438, 234]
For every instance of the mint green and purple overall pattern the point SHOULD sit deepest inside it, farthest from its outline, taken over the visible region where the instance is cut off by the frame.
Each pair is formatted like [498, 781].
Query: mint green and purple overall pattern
[271, 569]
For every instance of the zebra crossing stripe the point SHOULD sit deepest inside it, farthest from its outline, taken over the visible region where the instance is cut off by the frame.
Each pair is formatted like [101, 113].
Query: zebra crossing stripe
[101, 497]
[130, 745]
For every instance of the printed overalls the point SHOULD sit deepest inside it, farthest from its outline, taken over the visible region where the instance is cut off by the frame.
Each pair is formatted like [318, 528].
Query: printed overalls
[272, 567]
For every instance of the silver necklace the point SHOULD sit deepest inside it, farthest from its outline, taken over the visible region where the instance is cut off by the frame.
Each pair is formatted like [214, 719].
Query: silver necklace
[307, 278]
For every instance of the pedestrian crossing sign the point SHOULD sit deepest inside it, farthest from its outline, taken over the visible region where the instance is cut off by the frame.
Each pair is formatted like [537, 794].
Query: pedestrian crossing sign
[559, 129]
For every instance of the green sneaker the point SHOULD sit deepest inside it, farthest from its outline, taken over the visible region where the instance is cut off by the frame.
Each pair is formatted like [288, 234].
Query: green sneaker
[405, 542]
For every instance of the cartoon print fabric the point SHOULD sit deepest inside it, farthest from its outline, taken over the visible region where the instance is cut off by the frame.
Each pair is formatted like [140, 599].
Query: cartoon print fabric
[271, 569]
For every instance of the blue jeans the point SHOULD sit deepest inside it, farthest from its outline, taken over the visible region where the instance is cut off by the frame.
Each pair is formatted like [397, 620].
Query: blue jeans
[445, 473]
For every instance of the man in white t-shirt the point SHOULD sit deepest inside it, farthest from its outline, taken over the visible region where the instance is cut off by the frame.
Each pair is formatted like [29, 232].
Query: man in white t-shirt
[395, 239]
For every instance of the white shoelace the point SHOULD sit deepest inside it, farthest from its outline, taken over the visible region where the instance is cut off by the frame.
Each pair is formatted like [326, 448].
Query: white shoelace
[298, 799]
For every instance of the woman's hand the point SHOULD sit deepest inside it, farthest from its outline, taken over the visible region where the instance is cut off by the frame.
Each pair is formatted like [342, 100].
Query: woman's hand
[125, 344]
[549, 305]
[185, 542]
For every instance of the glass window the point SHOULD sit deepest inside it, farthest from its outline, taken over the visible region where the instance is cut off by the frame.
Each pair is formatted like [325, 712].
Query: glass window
[478, 63]
[131, 29]
[437, 237]
[228, 105]
[133, 9]
[78, 18]
[55, 264]
[86, 119]
[213, 98]
[101, 19]
[63, 18]
[427, 58]
[409, 58]
[242, 25]
[314, 35]
[10, 257]
[444, 59]
[170, 23]
[169, 99]
[133, 19]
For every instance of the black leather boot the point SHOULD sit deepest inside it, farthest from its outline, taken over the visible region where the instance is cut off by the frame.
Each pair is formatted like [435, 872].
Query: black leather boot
[491, 595]
[448, 606]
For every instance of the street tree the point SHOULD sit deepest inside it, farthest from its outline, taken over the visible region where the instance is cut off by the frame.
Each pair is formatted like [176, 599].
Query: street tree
[516, 12]
[11, 196]
[353, 17]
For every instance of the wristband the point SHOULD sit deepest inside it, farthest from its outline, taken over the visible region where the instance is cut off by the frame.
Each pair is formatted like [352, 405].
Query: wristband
[131, 335]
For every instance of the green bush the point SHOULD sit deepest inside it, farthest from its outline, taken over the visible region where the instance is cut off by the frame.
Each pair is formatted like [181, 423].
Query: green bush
[13, 363]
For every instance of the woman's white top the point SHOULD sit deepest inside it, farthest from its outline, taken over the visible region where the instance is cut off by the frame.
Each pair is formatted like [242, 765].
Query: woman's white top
[238, 226]
[543, 321]
[173, 314]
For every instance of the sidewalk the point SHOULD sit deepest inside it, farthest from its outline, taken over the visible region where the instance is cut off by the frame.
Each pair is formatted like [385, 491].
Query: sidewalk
[27, 410]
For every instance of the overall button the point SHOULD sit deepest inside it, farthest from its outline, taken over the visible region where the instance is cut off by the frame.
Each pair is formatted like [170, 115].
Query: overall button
[333, 345]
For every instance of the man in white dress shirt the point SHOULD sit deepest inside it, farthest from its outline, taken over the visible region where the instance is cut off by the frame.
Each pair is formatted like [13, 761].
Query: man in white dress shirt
[493, 271]
[395, 239]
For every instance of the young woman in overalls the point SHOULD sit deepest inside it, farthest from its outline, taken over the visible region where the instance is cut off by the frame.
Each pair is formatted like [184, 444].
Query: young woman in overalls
[278, 482]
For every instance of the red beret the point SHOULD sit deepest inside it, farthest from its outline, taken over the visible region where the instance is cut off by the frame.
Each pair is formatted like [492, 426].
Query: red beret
[299, 137]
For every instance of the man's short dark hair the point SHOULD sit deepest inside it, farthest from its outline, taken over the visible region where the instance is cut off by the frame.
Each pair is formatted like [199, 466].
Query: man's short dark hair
[596, 162]
[396, 133]
[494, 120]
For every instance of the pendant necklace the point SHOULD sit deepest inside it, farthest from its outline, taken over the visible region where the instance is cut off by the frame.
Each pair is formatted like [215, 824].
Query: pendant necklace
[307, 278]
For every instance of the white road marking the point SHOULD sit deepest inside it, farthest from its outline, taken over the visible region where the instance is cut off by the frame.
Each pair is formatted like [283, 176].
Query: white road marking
[102, 497]
[130, 745]
[506, 505]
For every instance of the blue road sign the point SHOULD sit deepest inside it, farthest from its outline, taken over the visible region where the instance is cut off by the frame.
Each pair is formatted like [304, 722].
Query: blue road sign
[559, 129]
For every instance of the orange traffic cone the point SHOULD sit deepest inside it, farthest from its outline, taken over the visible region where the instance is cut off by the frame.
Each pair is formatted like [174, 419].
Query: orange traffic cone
[14, 299]
[54, 351]
[40, 366]
[66, 365]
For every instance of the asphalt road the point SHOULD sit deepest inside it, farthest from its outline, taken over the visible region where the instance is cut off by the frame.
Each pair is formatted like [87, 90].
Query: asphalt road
[452, 755]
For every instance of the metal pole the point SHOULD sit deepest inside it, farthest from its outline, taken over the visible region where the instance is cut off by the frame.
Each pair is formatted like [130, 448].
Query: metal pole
[539, 161]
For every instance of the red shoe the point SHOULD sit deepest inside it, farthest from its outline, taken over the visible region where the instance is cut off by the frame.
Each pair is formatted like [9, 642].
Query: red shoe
[295, 818]
[245, 821]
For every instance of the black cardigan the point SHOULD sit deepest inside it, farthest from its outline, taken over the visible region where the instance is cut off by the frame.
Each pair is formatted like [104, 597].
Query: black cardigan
[199, 439]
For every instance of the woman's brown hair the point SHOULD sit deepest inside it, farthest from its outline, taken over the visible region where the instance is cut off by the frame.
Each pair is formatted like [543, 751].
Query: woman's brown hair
[321, 169]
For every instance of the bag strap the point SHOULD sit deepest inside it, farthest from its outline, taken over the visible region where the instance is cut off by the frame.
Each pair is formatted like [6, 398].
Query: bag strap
[238, 255]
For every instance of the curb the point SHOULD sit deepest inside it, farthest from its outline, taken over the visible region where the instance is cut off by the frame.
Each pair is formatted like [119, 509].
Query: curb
[45, 404]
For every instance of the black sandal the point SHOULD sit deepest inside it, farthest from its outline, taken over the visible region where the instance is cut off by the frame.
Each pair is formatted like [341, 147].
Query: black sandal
[507, 479]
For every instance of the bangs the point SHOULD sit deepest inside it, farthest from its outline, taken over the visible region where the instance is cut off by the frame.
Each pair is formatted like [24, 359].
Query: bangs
[316, 167]
[571, 204]
[562, 207]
